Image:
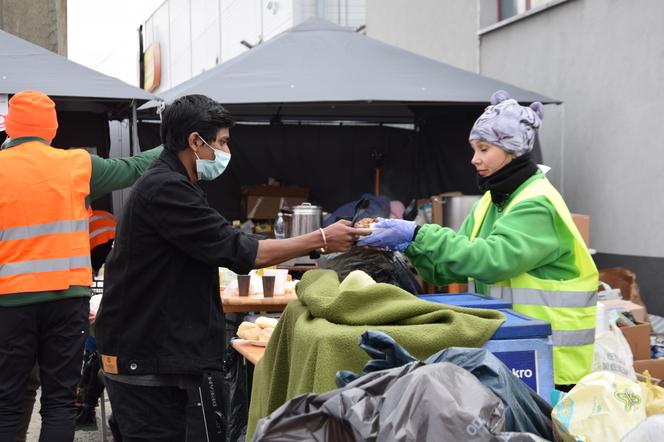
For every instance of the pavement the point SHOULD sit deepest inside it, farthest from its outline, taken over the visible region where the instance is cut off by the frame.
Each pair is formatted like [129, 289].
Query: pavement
[80, 436]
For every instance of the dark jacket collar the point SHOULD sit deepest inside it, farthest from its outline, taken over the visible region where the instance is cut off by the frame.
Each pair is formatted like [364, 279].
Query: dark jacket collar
[173, 161]
[20, 140]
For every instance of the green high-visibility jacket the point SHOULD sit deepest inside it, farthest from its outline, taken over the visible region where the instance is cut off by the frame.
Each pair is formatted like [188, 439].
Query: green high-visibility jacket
[527, 251]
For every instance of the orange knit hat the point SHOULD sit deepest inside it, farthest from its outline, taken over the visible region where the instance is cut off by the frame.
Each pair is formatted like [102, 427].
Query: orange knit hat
[31, 114]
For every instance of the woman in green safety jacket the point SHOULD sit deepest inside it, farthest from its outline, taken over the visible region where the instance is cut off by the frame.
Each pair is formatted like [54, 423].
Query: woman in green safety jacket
[519, 243]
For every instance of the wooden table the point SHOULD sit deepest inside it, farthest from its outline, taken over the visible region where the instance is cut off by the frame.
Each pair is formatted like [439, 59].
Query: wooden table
[251, 353]
[244, 304]
[297, 268]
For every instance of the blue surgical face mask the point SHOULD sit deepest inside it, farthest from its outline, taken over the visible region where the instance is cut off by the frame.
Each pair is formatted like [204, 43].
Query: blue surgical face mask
[209, 170]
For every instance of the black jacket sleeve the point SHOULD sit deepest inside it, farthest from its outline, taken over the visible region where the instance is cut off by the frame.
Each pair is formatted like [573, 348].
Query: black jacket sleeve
[185, 219]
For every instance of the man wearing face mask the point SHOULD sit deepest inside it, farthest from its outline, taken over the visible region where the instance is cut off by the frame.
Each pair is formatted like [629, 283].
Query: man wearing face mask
[161, 324]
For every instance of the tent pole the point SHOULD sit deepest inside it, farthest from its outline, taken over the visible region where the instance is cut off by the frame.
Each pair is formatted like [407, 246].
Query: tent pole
[562, 150]
[135, 149]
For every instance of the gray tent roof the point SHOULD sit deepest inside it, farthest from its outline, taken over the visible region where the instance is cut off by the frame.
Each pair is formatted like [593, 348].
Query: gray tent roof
[321, 69]
[74, 87]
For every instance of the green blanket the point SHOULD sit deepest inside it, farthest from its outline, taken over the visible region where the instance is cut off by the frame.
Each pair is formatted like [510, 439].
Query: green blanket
[319, 332]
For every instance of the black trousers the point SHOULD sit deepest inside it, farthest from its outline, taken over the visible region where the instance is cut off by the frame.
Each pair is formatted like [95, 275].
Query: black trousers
[147, 414]
[168, 413]
[52, 334]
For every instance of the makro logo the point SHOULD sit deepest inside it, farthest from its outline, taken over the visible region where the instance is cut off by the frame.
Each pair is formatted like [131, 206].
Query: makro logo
[475, 426]
[522, 373]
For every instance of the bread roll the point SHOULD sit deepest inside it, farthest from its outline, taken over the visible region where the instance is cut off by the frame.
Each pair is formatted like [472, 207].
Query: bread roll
[265, 322]
[248, 330]
[265, 334]
[365, 223]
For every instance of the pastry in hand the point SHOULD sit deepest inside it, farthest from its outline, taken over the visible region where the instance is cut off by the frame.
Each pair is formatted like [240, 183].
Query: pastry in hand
[365, 223]
[248, 330]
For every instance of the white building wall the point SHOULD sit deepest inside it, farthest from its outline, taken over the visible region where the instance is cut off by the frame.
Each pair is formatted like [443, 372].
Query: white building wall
[444, 30]
[196, 35]
[605, 61]
[204, 35]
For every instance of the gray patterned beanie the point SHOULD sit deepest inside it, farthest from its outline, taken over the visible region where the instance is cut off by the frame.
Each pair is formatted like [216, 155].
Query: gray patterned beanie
[508, 125]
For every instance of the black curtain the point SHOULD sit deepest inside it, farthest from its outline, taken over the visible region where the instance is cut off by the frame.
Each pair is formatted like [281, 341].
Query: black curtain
[337, 163]
[445, 154]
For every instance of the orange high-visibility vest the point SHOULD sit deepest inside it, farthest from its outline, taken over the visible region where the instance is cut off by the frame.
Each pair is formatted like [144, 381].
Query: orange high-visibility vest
[102, 228]
[44, 237]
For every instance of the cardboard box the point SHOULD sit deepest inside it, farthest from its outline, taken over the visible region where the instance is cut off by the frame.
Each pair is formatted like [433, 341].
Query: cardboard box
[583, 224]
[264, 202]
[638, 311]
[654, 366]
[638, 337]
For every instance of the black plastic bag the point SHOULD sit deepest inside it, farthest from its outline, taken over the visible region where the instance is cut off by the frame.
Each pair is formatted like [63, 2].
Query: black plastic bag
[414, 402]
[381, 265]
[525, 411]
[236, 396]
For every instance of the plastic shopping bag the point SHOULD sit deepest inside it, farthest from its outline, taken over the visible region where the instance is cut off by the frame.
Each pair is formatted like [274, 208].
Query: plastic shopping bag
[654, 396]
[602, 407]
[612, 353]
[650, 430]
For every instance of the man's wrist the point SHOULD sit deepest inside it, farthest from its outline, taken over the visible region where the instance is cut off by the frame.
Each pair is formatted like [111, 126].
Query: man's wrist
[323, 249]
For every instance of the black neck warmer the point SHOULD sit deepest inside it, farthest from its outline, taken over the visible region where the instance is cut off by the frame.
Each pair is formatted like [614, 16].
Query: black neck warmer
[502, 183]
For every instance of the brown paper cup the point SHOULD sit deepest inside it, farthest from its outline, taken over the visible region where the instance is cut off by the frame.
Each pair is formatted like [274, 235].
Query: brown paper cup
[268, 286]
[243, 284]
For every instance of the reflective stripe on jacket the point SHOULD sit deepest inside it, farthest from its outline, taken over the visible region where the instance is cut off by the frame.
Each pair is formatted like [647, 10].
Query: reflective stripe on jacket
[569, 305]
[44, 224]
[102, 228]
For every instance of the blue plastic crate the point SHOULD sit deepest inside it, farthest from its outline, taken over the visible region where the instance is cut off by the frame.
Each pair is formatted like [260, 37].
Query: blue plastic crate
[520, 326]
[522, 343]
[470, 300]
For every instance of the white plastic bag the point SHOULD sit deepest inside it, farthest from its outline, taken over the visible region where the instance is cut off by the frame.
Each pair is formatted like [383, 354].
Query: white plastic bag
[608, 292]
[650, 430]
[602, 407]
[612, 353]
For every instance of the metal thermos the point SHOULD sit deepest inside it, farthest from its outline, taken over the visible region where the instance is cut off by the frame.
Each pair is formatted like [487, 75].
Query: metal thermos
[306, 218]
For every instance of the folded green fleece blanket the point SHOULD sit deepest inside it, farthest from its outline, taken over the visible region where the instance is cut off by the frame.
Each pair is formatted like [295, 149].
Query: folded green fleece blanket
[319, 332]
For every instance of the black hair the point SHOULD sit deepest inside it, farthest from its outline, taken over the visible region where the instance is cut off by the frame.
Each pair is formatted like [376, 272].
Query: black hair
[192, 113]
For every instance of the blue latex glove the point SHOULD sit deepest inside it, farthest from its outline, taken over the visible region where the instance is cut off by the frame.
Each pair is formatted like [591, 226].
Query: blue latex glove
[395, 234]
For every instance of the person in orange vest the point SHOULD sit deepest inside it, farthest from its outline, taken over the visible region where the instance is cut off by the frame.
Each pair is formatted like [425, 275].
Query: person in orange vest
[45, 266]
[102, 234]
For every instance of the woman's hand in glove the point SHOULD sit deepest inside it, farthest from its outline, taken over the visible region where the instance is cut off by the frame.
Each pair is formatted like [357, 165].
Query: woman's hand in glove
[396, 234]
[340, 236]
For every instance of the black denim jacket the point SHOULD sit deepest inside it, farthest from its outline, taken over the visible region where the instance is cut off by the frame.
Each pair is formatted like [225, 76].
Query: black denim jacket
[161, 310]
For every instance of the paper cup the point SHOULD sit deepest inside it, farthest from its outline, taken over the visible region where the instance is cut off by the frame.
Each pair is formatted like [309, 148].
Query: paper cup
[268, 286]
[243, 284]
[281, 276]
